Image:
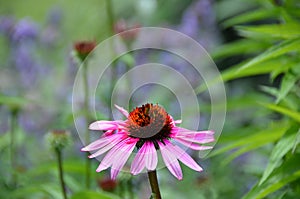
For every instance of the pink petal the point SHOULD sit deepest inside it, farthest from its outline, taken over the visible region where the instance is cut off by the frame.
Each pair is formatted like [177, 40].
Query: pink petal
[99, 143]
[115, 155]
[170, 161]
[197, 138]
[120, 161]
[103, 125]
[150, 157]
[183, 131]
[185, 158]
[122, 110]
[178, 121]
[109, 157]
[192, 145]
[107, 147]
[138, 162]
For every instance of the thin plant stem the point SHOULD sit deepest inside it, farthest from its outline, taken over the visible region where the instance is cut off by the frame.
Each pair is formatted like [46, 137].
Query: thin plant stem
[110, 16]
[154, 184]
[87, 118]
[13, 147]
[61, 172]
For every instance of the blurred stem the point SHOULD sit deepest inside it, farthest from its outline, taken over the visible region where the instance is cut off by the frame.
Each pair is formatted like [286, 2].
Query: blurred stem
[154, 184]
[110, 16]
[60, 171]
[87, 119]
[13, 147]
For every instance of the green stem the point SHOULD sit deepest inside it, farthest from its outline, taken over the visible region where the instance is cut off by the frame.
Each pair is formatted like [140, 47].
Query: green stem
[154, 184]
[87, 118]
[61, 174]
[13, 147]
[110, 16]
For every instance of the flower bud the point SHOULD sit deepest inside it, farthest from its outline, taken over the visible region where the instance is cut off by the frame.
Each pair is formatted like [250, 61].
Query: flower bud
[58, 139]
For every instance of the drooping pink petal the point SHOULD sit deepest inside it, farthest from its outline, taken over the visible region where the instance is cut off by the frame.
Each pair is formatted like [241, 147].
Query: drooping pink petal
[138, 162]
[145, 157]
[115, 155]
[177, 121]
[107, 147]
[122, 110]
[100, 143]
[184, 157]
[121, 159]
[201, 139]
[170, 161]
[192, 145]
[186, 132]
[103, 125]
[150, 157]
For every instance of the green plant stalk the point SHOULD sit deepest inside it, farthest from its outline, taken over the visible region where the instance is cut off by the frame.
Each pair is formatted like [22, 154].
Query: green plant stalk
[154, 184]
[87, 119]
[110, 16]
[61, 172]
[13, 147]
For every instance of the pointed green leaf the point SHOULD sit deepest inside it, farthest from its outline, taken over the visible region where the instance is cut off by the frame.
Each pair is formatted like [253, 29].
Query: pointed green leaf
[293, 114]
[284, 31]
[273, 52]
[243, 46]
[263, 137]
[285, 174]
[282, 147]
[297, 141]
[251, 16]
[288, 81]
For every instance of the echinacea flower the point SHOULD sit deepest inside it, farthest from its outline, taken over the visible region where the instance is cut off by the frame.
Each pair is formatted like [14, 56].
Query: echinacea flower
[84, 48]
[149, 129]
[129, 33]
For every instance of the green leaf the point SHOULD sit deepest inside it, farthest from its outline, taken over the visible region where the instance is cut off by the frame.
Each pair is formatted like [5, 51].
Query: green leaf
[273, 52]
[280, 64]
[13, 102]
[93, 195]
[286, 173]
[277, 185]
[128, 59]
[297, 141]
[263, 137]
[282, 147]
[292, 114]
[287, 83]
[242, 46]
[283, 31]
[251, 16]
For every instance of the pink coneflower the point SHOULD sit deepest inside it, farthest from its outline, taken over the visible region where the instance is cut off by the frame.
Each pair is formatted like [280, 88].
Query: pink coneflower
[149, 129]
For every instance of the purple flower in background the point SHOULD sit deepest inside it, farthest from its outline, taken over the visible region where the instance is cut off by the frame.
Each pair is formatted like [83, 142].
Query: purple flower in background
[25, 29]
[6, 25]
[55, 16]
[51, 33]
[199, 22]
[24, 54]
[26, 64]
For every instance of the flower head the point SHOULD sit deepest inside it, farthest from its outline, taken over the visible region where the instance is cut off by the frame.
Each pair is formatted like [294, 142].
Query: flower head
[84, 48]
[107, 184]
[148, 128]
[59, 139]
[25, 29]
[129, 32]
